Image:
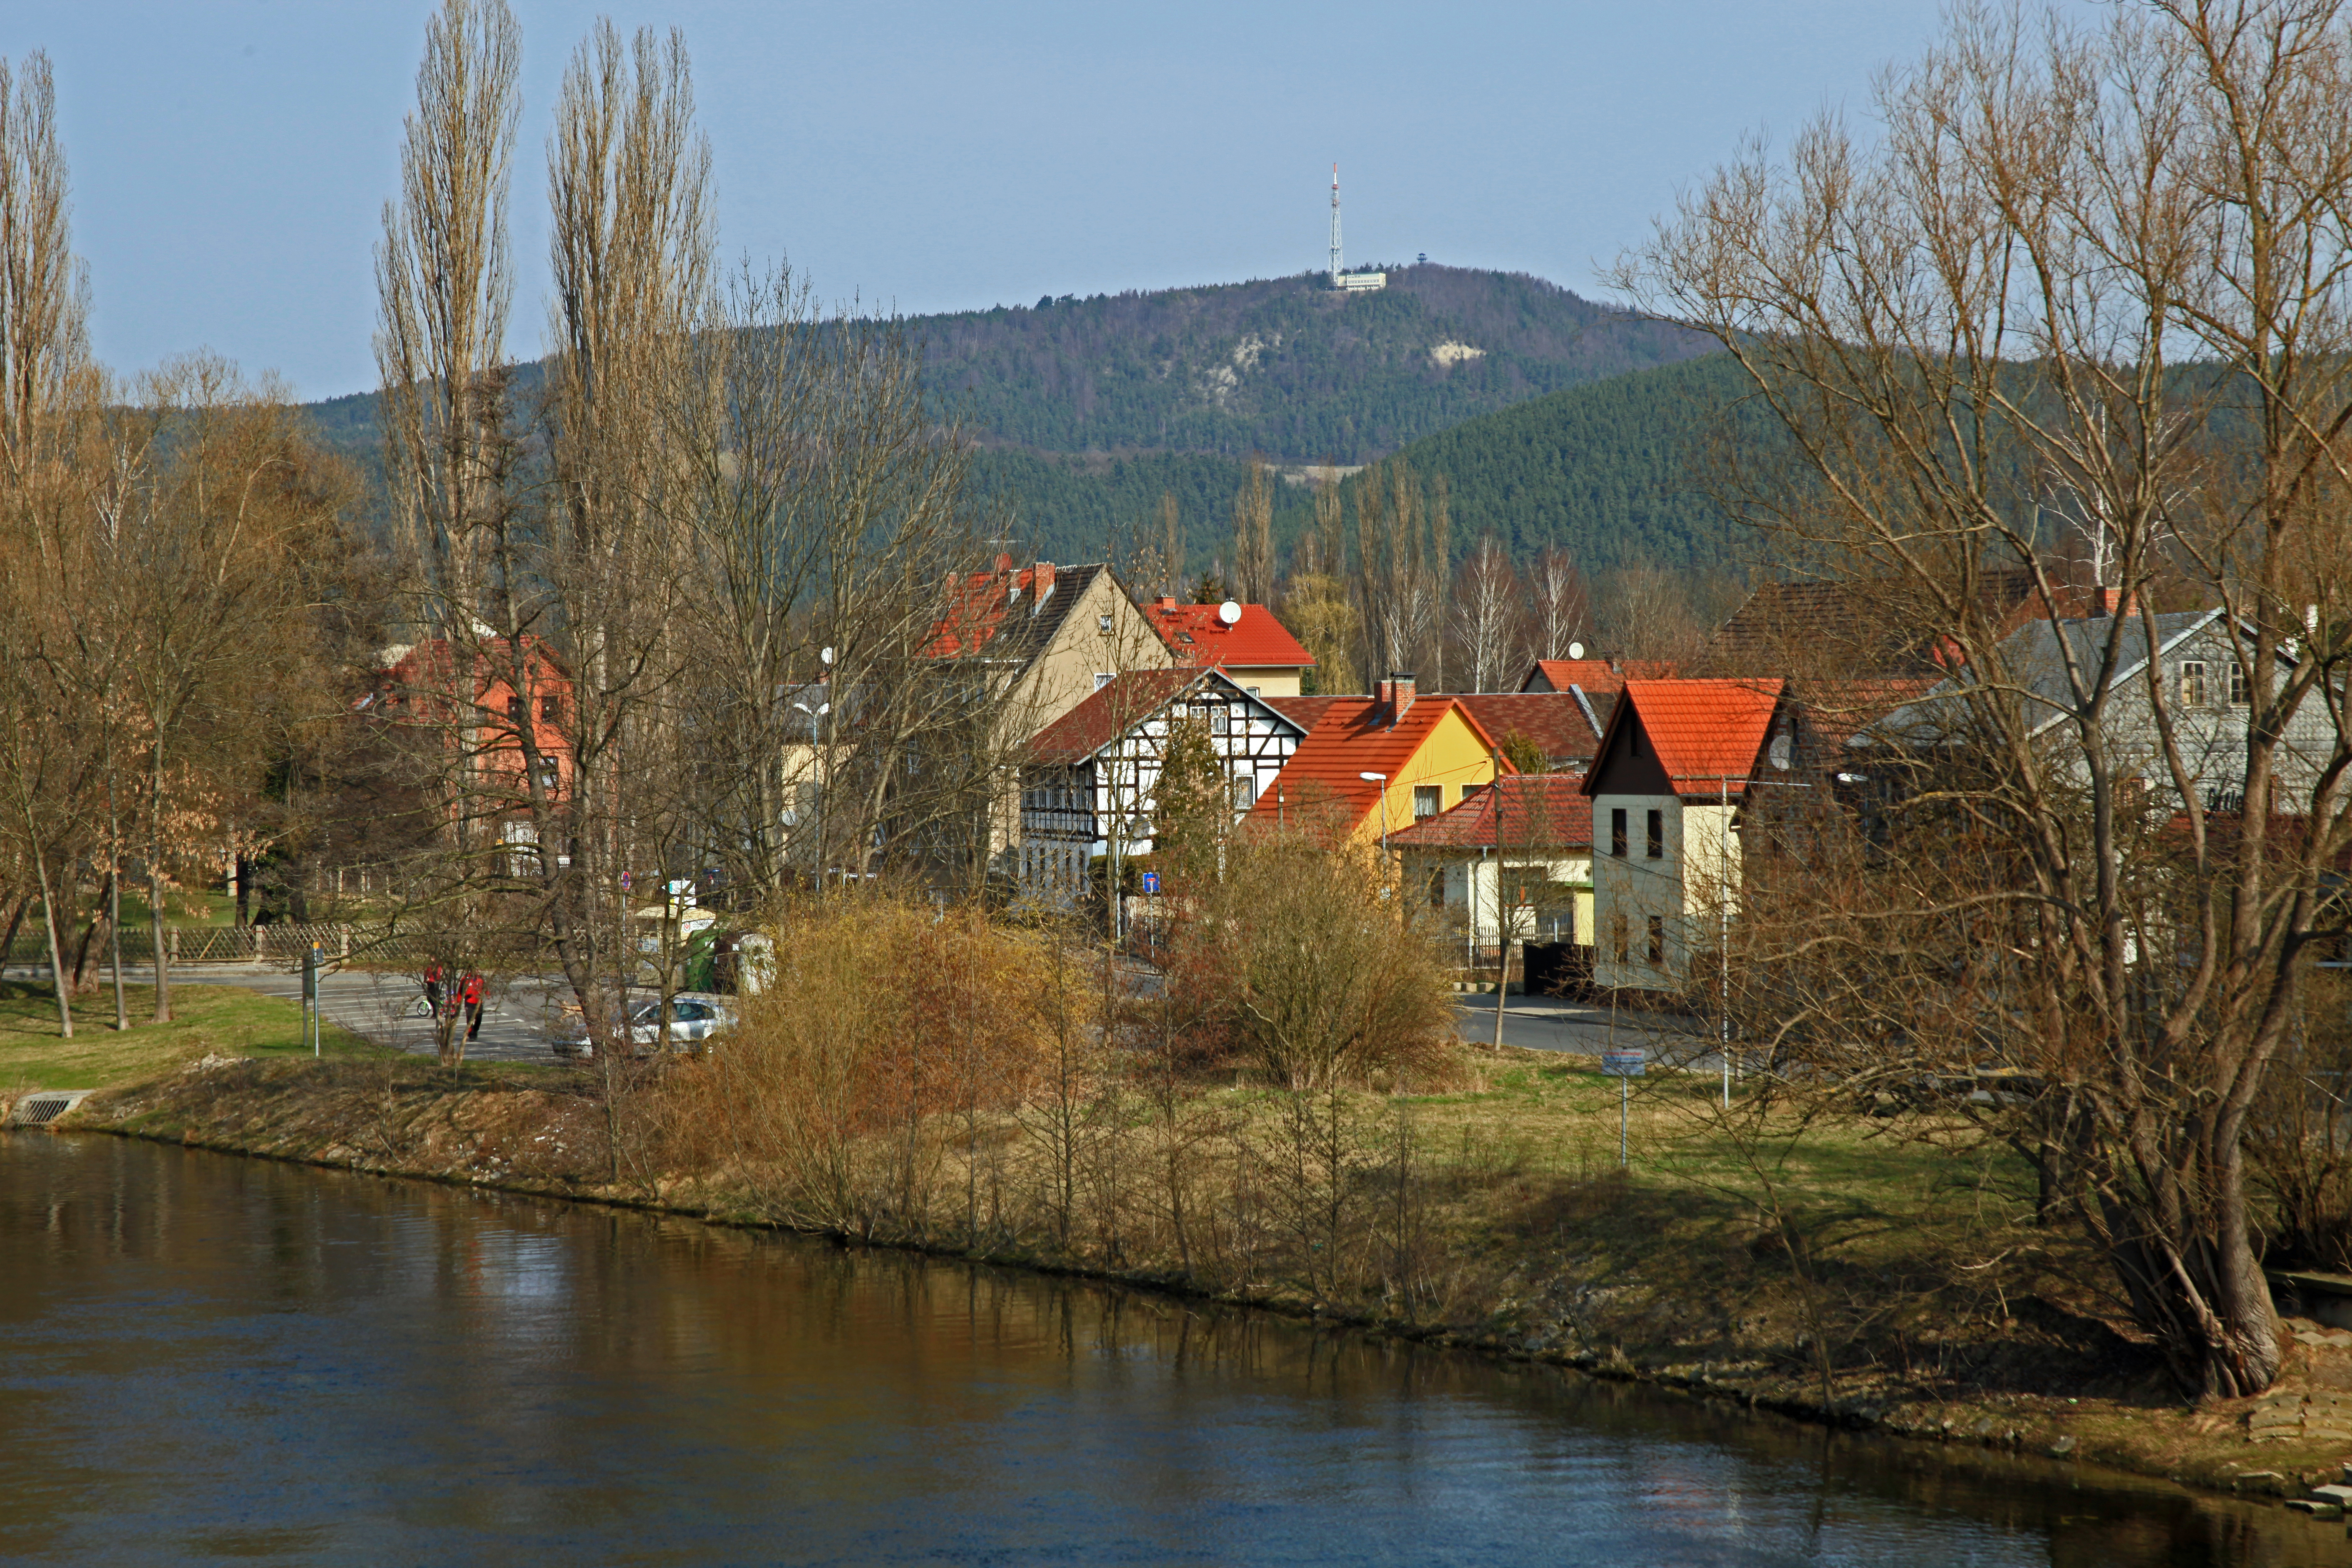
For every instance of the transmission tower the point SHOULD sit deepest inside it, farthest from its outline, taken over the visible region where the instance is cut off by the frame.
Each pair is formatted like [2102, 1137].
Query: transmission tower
[1334, 225]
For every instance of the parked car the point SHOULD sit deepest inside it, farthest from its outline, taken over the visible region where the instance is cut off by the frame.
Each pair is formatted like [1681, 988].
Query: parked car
[695, 1017]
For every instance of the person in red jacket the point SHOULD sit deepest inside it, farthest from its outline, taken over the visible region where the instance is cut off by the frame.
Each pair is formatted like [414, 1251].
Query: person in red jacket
[470, 990]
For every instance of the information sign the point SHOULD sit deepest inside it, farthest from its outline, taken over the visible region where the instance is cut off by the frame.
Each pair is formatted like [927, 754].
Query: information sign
[1623, 1064]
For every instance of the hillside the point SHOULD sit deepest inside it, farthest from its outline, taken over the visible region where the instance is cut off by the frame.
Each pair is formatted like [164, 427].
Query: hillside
[1171, 390]
[1280, 366]
[1607, 472]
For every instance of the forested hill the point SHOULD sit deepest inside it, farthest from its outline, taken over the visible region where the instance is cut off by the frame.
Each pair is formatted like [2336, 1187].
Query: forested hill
[1609, 472]
[1090, 410]
[1281, 367]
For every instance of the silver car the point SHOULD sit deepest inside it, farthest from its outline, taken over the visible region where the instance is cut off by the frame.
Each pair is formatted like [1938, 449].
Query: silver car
[694, 1016]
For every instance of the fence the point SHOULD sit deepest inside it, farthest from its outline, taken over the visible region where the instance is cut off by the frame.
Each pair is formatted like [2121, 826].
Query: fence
[278, 946]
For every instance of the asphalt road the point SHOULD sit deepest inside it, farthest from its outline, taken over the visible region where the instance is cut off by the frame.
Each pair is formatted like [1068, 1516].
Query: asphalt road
[516, 1017]
[1554, 1024]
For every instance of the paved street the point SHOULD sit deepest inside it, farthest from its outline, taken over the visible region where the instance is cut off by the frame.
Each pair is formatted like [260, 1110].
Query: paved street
[384, 1007]
[1555, 1023]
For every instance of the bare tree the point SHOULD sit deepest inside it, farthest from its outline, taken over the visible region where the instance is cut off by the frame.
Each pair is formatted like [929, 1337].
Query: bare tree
[1253, 537]
[1557, 596]
[2113, 265]
[1486, 613]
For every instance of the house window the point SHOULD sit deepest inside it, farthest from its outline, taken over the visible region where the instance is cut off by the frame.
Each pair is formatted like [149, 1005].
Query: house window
[550, 709]
[1425, 800]
[1617, 834]
[1654, 834]
[2195, 690]
[1217, 720]
[1102, 678]
[1102, 622]
[1657, 941]
[2239, 685]
[1617, 933]
[514, 710]
[1251, 690]
[1244, 791]
[1437, 888]
[1469, 790]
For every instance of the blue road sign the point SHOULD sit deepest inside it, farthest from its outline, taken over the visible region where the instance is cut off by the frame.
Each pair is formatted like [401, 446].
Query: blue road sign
[1151, 881]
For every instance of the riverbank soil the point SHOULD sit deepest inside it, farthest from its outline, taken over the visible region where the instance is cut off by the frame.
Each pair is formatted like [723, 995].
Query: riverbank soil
[206, 1021]
[1860, 1271]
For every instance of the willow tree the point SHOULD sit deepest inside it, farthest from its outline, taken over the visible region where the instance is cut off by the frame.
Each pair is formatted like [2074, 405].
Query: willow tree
[2106, 273]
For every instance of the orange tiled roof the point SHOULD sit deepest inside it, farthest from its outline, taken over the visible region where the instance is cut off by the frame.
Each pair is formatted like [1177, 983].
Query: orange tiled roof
[1550, 718]
[1196, 635]
[1547, 811]
[1351, 738]
[1704, 731]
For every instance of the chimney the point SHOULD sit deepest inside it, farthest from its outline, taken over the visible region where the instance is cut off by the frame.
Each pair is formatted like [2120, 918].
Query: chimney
[1167, 601]
[1044, 580]
[1004, 563]
[1401, 685]
[1384, 696]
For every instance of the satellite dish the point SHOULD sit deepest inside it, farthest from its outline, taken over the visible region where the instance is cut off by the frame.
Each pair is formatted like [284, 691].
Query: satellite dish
[1778, 754]
[1230, 613]
[1576, 650]
[826, 655]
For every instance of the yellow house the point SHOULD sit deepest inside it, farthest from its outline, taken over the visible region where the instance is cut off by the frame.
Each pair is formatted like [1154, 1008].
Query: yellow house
[1421, 754]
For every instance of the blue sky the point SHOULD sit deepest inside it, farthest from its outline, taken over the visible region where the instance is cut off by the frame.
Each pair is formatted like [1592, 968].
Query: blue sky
[230, 160]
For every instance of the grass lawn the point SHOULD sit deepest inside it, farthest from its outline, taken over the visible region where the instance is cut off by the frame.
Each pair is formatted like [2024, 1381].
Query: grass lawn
[218, 1020]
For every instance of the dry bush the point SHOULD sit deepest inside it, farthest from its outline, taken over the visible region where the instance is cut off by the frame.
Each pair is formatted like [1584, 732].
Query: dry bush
[1301, 961]
[888, 1025]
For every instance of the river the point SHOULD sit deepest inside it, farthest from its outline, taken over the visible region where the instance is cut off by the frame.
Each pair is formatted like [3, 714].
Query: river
[218, 1359]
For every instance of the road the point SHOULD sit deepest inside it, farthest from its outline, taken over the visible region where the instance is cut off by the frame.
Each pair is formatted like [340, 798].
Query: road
[516, 1018]
[1555, 1023]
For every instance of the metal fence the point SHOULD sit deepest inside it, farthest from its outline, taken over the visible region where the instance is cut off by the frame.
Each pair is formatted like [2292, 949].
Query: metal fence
[279, 946]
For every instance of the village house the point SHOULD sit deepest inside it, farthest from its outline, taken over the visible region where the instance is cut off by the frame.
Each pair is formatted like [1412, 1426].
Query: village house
[1089, 780]
[1680, 761]
[1371, 766]
[415, 691]
[1049, 637]
[1513, 861]
[1593, 677]
[2206, 693]
[1243, 640]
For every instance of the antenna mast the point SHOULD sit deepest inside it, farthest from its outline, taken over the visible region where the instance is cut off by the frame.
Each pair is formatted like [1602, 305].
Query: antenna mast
[1334, 225]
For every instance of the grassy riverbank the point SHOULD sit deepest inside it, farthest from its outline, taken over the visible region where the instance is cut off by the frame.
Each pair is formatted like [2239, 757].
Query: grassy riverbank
[207, 1020]
[1847, 1271]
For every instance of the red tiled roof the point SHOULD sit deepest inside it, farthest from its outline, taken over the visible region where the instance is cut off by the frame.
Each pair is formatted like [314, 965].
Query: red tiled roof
[1352, 737]
[1550, 718]
[1009, 614]
[1305, 712]
[1196, 635]
[1545, 811]
[1597, 675]
[1115, 707]
[1704, 731]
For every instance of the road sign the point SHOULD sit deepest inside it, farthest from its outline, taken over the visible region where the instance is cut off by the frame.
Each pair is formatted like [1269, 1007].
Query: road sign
[1623, 1064]
[1151, 882]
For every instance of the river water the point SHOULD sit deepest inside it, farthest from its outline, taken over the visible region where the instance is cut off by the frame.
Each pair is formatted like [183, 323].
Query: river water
[210, 1359]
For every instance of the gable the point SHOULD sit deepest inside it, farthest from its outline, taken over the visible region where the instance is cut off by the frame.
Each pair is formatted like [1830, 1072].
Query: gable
[1628, 763]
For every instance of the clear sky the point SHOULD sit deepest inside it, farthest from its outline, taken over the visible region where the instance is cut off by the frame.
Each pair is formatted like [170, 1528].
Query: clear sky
[231, 158]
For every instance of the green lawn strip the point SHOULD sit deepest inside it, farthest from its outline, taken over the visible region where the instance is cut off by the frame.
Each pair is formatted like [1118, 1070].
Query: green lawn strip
[208, 1020]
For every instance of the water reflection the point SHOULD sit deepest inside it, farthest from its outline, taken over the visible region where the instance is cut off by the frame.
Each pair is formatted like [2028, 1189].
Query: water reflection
[212, 1359]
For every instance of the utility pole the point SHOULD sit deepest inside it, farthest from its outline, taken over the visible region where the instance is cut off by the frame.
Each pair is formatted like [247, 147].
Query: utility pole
[1501, 908]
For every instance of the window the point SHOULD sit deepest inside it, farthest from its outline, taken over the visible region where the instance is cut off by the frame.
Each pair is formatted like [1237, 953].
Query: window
[1437, 888]
[1617, 839]
[550, 709]
[1425, 800]
[1251, 690]
[1218, 719]
[1469, 790]
[1657, 941]
[514, 710]
[1617, 933]
[2239, 684]
[1102, 622]
[1654, 833]
[1102, 678]
[2195, 692]
[1244, 791]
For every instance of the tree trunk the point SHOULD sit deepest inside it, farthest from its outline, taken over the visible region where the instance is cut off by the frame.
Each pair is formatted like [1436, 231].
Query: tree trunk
[50, 920]
[155, 889]
[2206, 1301]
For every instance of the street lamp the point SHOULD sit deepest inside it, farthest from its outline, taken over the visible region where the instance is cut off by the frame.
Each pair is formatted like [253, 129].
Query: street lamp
[816, 825]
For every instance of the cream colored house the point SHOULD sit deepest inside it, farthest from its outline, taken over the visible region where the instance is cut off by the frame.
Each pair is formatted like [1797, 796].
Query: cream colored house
[1679, 761]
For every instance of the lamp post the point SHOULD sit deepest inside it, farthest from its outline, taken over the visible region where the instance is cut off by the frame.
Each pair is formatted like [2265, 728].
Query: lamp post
[1502, 912]
[816, 778]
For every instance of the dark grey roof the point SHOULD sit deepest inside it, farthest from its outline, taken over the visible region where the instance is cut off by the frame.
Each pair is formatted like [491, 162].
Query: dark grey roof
[2034, 663]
